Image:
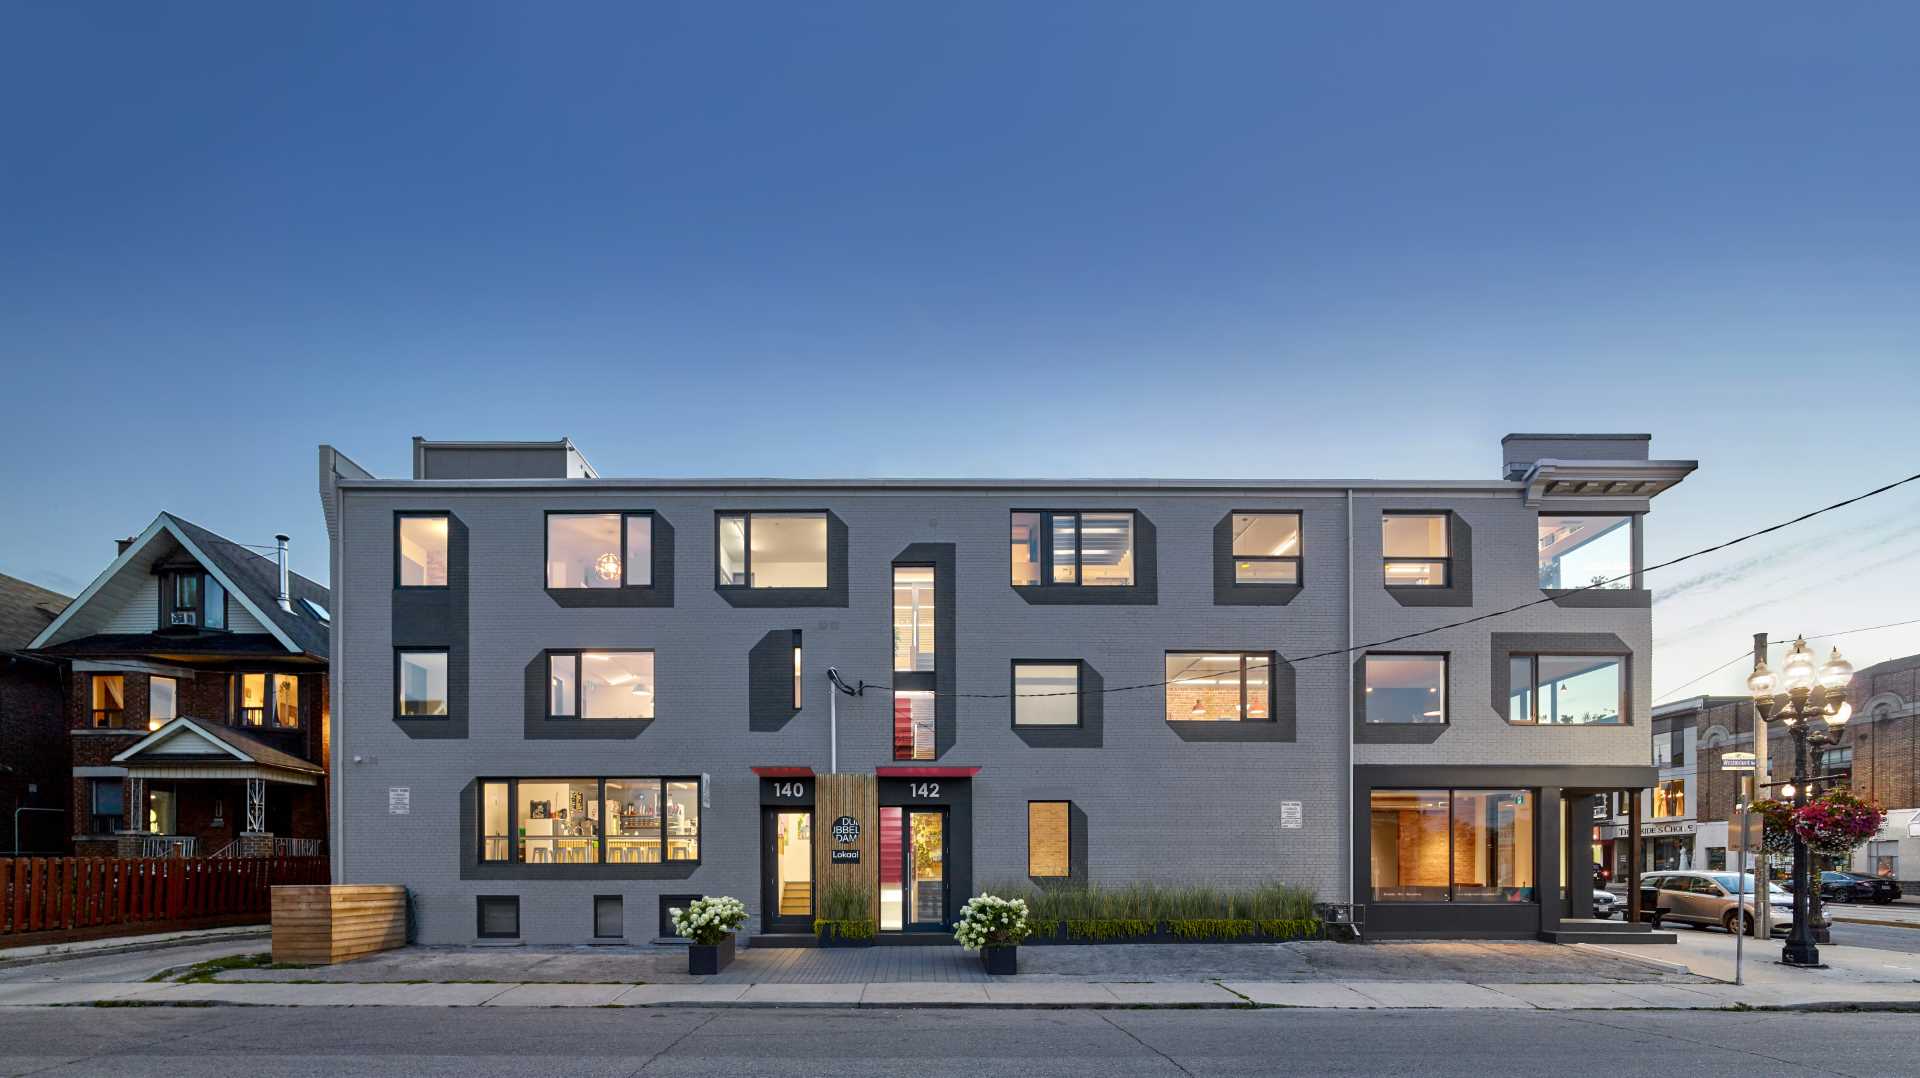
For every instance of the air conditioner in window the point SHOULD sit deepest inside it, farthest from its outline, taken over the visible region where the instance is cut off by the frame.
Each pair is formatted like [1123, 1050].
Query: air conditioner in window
[186, 617]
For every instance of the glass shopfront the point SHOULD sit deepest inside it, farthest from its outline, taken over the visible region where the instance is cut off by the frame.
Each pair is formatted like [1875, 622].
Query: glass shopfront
[589, 821]
[1468, 846]
[913, 869]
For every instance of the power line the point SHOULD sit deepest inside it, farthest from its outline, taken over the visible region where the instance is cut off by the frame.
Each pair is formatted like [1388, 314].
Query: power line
[1598, 584]
[1771, 643]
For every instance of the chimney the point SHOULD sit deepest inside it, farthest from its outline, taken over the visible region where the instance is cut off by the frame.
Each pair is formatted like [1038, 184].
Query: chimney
[120, 545]
[280, 555]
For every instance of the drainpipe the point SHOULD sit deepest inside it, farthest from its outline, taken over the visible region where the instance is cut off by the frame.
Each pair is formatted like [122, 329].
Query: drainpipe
[833, 723]
[1353, 839]
[280, 555]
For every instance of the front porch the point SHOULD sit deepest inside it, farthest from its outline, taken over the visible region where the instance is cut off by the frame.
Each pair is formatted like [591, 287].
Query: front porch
[197, 789]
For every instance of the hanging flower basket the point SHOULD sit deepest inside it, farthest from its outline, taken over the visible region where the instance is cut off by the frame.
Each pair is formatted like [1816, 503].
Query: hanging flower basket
[1837, 822]
[1778, 841]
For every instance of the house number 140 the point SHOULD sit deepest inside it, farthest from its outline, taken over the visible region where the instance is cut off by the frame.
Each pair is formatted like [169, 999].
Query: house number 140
[789, 789]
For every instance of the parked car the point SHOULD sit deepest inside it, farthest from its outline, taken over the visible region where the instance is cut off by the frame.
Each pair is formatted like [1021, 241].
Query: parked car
[1707, 898]
[1839, 887]
[1605, 904]
[1878, 890]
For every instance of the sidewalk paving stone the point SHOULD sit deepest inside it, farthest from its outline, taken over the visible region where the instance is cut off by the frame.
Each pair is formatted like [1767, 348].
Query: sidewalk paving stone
[670, 995]
[559, 995]
[1454, 995]
[930, 993]
[1299, 994]
[1049, 994]
[45, 993]
[1163, 994]
[811, 995]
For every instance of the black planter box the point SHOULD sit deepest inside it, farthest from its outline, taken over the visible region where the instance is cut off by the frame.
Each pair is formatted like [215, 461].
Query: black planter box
[708, 959]
[1001, 961]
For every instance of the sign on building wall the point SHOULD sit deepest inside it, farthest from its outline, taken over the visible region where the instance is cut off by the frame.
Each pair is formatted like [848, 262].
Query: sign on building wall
[399, 800]
[1291, 816]
[846, 830]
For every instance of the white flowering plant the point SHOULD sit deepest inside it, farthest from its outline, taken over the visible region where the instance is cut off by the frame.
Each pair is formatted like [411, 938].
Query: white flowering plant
[991, 921]
[709, 920]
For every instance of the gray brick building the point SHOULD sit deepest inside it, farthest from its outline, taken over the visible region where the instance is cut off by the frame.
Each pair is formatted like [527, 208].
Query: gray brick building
[562, 700]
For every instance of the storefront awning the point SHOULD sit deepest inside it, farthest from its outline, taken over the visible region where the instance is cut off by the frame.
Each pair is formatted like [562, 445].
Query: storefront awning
[925, 772]
[770, 772]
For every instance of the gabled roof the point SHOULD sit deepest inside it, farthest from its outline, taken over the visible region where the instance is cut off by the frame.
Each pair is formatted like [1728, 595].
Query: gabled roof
[25, 611]
[251, 579]
[210, 744]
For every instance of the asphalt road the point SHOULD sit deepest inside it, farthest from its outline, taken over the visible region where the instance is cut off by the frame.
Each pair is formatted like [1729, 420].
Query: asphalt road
[228, 1041]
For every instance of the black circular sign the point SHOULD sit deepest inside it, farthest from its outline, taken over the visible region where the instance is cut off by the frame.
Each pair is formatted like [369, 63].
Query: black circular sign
[846, 830]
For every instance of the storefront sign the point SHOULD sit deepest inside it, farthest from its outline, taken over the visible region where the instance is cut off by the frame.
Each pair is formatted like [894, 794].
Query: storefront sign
[1680, 827]
[845, 857]
[846, 831]
[1290, 815]
[399, 800]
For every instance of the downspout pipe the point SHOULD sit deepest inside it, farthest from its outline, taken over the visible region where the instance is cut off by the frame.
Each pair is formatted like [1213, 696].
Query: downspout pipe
[1353, 838]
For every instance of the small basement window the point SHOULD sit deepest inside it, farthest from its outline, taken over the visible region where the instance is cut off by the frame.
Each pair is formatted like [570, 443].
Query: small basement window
[609, 917]
[498, 917]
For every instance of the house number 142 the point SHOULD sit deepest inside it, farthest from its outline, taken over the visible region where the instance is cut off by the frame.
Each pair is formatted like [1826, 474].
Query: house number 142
[925, 789]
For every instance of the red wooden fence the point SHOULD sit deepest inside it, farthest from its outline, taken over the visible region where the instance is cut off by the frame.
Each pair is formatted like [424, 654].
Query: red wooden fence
[55, 894]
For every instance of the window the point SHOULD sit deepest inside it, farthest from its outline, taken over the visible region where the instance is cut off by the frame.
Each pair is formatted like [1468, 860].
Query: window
[498, 917]
[612, 821]
[1670, 798]
[250, 699]
[1209, 687]
[1049, 833]
[109, 701]
[600, 685]
[1416, 550]
[1835, 764]
[913, 641]
[422, 684]
[599, 550]
[912, 725]
[1669, 745]
[1406, 688]
[1566, 690]
[1266, 548]
[609, 917]
[797, 683]
[1586, 551]
[163, 701]
[319, 612]
[1046, 694]
[1883, 859]
[108, 811]
[1452, 846]
[420, 550]
[286, 702]
[1716, 858]
[192, 599]
[1072, 548]
[772, 550]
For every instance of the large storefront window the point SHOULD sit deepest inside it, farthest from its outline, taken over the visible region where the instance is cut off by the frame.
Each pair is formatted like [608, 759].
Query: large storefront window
[1452, 846]
[1229, 687]
[589, 821]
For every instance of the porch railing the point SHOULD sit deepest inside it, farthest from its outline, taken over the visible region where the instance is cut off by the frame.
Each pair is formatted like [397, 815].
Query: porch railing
[169, 846]
[282, 847]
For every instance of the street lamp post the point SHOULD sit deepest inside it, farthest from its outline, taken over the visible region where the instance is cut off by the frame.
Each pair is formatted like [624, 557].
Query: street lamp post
[1809, 694]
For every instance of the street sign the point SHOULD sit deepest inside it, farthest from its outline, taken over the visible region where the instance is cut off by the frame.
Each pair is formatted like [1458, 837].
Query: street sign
[1737, 761]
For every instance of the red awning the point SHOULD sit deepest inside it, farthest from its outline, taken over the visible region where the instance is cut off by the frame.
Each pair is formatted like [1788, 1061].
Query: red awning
[925, 772]
[784, 772]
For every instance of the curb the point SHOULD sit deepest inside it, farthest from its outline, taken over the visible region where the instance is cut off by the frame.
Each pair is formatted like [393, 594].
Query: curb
[1898, 1007]
[65, 952]
[1639, 959]
[1869, 921]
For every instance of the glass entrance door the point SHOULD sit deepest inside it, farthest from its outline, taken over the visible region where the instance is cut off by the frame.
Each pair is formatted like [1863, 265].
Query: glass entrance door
[926, 860]
[787, 871]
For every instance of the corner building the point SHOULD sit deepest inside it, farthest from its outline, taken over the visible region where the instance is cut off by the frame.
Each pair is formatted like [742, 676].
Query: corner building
[565, 702]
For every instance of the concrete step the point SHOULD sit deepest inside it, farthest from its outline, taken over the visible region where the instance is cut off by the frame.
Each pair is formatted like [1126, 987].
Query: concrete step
[1614, 939]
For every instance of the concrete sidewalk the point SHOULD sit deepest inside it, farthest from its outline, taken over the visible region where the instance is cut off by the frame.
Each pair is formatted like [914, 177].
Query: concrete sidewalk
[1012, 993]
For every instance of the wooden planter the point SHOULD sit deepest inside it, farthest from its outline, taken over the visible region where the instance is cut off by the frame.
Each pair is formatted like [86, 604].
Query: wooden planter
[320, 924]
[1001, 961]
[706, 959]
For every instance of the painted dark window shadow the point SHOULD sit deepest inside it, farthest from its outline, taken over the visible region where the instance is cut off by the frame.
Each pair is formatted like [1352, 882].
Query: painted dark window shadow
[434, 618]
[1458, 590]
[834, 594]
[657, 594]
[1378, 733]
[1227, 591]
[1144, 591]
[1281, 727]
[1090, 734]
[770, 703]
[541, 728]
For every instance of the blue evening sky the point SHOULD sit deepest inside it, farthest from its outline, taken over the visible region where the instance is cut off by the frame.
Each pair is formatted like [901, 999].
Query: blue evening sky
[1100, 239]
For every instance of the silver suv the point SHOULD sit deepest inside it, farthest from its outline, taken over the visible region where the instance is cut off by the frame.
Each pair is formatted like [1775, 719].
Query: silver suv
[1707, 898]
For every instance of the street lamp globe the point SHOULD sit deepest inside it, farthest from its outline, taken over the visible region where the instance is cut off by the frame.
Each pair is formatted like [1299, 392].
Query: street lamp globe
[1840, 715]
[1837, 672]
[1760, 682]
[1798, 668]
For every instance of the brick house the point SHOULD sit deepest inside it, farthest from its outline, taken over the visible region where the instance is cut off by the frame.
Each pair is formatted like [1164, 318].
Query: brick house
[1876, 755]
[32, 723]
[196, 700]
